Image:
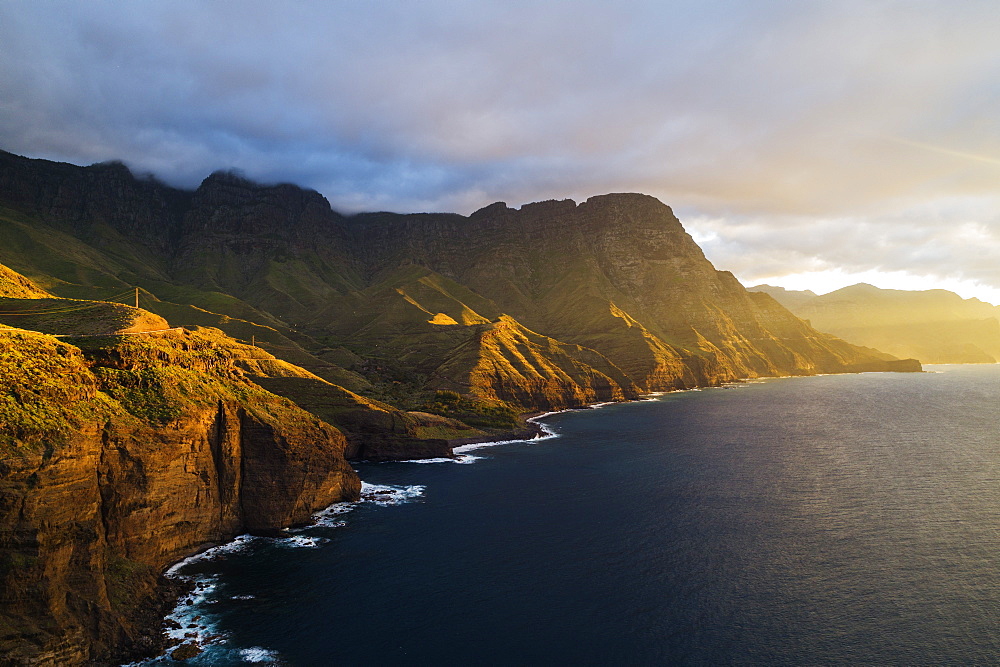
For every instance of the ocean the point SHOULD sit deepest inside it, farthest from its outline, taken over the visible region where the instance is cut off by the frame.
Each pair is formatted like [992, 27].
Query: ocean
[843, 519]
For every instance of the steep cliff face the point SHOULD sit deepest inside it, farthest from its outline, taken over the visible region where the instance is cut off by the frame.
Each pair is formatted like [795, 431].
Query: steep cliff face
[279, 247]
[121, 456]
[617, 274]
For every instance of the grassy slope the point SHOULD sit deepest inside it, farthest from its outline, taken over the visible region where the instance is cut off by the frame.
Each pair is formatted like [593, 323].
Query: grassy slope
[14, 285]
[76, 317]
[152, 375]
[46, 392]
[67, 267]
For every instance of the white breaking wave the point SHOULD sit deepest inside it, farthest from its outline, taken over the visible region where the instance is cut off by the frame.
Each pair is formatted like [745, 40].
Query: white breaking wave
[327, 517]
[384, 494]
[258, 654]
[238, 543]
[457, 459]
[546, 433]
[301, 541]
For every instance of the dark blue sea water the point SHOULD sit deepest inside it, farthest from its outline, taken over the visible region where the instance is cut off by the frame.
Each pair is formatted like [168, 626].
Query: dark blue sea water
[850, 519]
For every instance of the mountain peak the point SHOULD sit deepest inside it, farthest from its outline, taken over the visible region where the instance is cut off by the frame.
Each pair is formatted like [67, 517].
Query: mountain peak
[549, 207]
[230, 177]
[491, 209]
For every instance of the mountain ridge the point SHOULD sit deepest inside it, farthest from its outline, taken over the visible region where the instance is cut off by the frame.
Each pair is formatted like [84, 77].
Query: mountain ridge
[559, 268]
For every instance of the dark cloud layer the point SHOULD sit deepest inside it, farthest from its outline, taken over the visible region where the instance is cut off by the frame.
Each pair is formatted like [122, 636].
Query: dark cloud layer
[793, 136]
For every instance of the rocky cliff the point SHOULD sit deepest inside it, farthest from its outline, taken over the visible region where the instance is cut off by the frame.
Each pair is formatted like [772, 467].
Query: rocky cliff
[121, 455]
[617, 275]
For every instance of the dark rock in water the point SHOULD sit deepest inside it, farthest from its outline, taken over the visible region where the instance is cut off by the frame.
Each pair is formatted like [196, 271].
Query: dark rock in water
[185, 651]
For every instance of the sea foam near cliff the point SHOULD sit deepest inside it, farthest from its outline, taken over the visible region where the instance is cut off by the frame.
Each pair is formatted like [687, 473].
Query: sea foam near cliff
[194, 618]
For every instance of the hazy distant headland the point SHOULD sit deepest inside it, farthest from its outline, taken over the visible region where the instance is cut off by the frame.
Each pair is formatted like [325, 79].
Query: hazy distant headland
[935, 326]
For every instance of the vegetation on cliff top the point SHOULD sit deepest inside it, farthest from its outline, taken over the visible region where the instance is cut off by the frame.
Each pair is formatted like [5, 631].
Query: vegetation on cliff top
[46, 393]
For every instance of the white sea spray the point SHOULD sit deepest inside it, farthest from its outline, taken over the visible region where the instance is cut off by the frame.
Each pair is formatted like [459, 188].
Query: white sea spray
[458, 459]
[258, 654]
[386, 494]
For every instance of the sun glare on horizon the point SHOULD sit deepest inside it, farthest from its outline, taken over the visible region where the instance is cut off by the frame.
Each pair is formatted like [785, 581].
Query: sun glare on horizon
[830, 280]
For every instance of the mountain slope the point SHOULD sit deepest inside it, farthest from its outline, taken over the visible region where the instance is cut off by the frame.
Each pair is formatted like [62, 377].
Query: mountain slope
[616, 274]
[15, 286]
[935, 326]
[407, 300]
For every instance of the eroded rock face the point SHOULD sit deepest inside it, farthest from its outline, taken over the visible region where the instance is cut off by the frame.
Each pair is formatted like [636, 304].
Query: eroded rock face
[96, 501]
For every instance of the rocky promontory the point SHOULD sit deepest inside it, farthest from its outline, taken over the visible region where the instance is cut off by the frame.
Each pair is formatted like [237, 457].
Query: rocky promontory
[123, 454]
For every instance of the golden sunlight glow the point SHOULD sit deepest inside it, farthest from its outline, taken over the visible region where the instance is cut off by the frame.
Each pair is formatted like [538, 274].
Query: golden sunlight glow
[946, 151]
[829, 280]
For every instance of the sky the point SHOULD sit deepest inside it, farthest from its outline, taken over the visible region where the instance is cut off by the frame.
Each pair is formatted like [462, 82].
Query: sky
[803, 143]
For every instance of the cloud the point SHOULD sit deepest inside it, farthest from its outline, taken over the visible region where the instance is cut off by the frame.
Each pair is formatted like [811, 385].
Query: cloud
[849, 119]
[952, 242]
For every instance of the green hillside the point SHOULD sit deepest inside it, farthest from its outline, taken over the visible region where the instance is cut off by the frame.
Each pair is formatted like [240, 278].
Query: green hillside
[554, 304]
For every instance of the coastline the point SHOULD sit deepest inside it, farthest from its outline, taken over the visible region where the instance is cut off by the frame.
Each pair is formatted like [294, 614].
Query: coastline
[559, 462]
[178, 588]
[533, 429]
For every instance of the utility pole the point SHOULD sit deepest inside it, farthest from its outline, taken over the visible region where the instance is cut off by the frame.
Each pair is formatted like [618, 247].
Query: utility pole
[136, 297]
[253, 340]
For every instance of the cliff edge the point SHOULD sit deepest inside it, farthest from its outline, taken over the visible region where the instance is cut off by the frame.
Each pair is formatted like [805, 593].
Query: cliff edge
[123, 454]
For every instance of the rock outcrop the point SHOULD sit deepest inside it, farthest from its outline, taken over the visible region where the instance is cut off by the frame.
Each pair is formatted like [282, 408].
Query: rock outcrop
[122, 455]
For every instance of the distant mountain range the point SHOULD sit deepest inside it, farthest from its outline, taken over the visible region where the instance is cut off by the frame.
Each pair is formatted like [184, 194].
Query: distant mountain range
[935, 326]
[275, 338]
